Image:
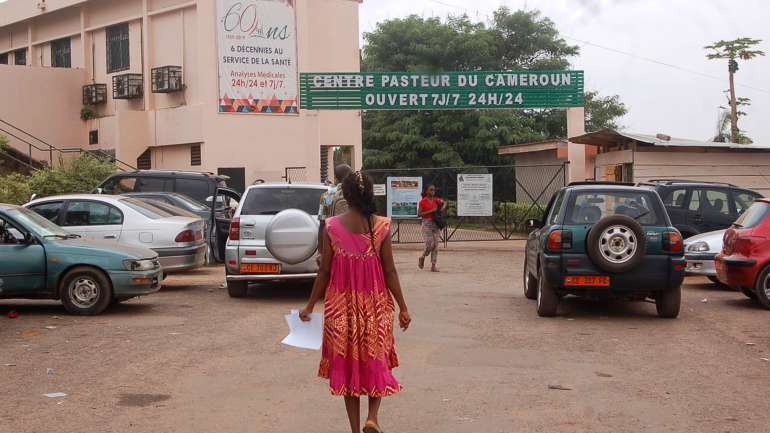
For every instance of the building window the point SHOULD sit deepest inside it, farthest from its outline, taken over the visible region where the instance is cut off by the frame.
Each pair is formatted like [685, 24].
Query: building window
[61, 53]
[195, 155]
[93, 137]
[117, 48]
[144, 162]
[20, 57]
[4, 59]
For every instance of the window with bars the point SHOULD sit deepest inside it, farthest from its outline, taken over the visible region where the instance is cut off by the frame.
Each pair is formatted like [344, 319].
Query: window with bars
[118, 58]
[20, 57]
[61, 53]
[195, 155]
[4, 59]
[144, 162]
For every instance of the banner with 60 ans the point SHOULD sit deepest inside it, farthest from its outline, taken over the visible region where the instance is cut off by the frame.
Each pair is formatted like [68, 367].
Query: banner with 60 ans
[257, 56]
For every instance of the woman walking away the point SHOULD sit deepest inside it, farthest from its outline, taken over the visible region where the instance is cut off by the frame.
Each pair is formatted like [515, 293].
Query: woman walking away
[429, 205]
[359, 280]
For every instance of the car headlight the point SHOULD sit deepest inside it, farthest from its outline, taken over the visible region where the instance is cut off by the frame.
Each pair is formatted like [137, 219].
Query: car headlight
[140, 265]
[698, 247]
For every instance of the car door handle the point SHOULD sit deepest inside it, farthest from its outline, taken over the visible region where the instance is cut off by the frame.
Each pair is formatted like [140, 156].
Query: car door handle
[110, 237]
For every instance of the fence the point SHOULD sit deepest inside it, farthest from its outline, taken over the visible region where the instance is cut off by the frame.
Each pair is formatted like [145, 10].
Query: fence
[519, 193]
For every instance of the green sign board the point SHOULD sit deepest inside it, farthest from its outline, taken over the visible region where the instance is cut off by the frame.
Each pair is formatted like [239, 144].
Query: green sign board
[441, 91]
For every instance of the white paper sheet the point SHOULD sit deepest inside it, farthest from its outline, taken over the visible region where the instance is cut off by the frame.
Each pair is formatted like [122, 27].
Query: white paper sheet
[305, 335]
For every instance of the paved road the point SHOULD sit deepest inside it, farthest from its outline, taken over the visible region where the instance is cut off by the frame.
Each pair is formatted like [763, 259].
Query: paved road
[477, 359]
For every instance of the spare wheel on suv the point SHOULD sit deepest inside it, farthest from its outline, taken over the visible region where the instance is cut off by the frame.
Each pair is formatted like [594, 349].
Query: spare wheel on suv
[616, 243]
[292, 236]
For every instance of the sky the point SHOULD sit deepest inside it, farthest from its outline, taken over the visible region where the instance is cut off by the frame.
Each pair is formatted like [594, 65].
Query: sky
[622, 45]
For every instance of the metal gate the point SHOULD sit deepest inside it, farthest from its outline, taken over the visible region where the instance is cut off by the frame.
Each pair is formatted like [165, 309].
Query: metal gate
[519, 192]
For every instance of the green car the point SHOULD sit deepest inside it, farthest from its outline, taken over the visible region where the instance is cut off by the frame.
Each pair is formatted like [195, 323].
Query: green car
[40, 260]
[603, 240]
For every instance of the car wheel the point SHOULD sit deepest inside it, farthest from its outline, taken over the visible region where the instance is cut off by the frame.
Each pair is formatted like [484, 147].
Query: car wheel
[85, 291]
[547, 299]
[616, 243]
[237, 289]
[749, 293]
[530, 284]
[668, 303]
[762, 289]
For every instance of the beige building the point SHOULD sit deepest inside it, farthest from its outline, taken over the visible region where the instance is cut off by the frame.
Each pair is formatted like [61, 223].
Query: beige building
[145, 76]
[629, 157]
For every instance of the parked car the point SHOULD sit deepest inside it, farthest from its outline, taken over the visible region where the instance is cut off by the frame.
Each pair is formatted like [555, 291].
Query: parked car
[696, 207]
[700, 252]
[179, 241]
[744, 263]
[604, 240]
[40, 260]
[274, 235]
[206, 188]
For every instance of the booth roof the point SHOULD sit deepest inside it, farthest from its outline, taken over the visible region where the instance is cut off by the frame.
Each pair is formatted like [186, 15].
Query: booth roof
[610, 137]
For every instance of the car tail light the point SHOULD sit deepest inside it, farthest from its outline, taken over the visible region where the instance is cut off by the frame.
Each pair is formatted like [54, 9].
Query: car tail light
[672, 242]
[746, 245]
[235, 229]
[185, 237]
[559, 240]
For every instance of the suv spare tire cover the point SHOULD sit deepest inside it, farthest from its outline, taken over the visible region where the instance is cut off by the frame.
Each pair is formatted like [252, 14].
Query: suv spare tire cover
[292, 236]
[616, 243]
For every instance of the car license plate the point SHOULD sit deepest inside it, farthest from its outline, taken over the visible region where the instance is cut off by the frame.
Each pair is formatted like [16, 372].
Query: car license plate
[260, 268]
[587, 281]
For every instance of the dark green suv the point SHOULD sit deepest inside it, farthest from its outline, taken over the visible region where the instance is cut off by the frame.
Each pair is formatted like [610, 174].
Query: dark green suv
[604, 240]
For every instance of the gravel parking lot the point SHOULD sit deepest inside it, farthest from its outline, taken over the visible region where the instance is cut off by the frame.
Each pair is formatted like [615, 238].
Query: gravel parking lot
[476, 359]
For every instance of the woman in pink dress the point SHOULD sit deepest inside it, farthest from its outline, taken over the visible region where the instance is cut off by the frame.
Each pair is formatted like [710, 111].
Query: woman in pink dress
[358, 279]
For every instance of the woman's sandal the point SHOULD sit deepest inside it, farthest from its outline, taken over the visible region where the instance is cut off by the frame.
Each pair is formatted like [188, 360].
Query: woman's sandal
[371, 427]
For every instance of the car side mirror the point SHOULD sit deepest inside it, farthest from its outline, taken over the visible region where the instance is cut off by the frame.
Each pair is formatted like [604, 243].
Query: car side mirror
[533, 224]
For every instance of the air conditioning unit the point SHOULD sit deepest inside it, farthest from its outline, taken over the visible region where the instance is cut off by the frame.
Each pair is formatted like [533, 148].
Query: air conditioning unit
[127, 86]
[167, 79]
[94, 94]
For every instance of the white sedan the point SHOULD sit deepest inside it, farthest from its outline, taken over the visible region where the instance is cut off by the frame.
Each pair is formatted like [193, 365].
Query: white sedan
[179, 241]
[700, 251]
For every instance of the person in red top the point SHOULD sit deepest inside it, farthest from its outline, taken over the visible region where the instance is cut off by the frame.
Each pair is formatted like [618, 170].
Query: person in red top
[429, 205]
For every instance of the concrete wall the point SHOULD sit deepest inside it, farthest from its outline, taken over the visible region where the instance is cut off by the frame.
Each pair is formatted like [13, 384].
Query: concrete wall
[45, 102]
[742, 168]
[539, 175]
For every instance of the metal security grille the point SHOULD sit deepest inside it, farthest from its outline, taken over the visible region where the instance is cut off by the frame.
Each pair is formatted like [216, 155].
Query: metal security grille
[519, 193]
[61, 53]
[195, 155]
[118, 57]
[144, 162]
[295, 174]
[324, 163]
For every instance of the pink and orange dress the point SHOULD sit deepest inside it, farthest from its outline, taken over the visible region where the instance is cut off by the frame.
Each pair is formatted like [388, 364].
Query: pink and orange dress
[358, 350]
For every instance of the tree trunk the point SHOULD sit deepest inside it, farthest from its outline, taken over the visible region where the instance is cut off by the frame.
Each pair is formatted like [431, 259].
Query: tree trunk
[733, 111]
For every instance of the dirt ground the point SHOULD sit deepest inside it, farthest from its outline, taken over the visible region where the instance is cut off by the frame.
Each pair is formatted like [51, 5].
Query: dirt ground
[476, 359]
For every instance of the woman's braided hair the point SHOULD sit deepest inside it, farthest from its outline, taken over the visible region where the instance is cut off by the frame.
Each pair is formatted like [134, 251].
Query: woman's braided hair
[358, 191]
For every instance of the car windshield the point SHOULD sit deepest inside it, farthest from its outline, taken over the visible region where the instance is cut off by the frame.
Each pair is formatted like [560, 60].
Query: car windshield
[39, 225]
[270, 201]
[590, 206]
[146, 209]
[754, 215]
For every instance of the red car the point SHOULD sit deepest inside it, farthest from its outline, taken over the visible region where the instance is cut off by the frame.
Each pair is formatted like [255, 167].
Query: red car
[744, 262]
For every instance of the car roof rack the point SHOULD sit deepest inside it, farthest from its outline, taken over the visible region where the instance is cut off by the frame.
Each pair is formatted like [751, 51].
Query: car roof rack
[675, 181]
[600, 182]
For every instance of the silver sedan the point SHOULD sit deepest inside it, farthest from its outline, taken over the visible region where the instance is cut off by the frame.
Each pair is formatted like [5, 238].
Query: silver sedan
[700, 251]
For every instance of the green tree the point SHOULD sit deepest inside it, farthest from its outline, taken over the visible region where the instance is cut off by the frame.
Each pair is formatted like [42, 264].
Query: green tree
[741, 48]
[723, 132]
[513, 40]
[79, 175]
